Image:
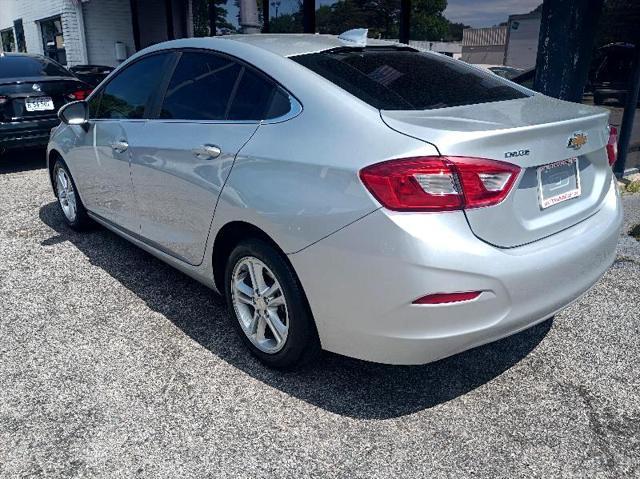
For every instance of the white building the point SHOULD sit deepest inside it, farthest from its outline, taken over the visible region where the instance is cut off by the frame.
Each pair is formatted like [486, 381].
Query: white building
[98, 32]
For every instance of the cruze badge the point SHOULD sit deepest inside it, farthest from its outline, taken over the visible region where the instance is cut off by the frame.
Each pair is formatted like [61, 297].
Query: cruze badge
[515, 154]
[577, 141]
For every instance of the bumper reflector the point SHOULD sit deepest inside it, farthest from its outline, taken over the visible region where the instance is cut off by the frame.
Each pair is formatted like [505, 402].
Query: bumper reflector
[441, 298]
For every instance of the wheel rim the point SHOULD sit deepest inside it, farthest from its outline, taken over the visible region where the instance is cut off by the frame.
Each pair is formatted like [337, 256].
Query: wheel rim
[66, 194]
[260, 305]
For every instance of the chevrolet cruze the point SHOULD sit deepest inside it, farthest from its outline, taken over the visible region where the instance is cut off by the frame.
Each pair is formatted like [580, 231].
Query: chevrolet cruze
[355, 196]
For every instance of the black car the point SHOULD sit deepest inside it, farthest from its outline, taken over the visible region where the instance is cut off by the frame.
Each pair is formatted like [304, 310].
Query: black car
[91, 74]
[609, 76]
[32, 90]
[525, 78]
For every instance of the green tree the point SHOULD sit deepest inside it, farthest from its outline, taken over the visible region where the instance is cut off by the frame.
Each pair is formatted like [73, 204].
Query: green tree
[454, 34]
[427, 20]
[340, 17]
[201, 17]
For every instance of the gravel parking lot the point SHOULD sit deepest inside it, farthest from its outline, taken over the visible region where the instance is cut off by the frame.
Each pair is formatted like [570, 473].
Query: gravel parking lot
[115, 365]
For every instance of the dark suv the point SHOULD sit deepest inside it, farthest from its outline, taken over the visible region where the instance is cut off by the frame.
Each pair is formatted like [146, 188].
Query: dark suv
[612, 73]
[32, 89]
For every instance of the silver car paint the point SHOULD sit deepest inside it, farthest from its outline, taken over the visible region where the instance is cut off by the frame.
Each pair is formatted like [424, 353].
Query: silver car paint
[376, 267]
[297, 180]
[538, 124]
[176, 188]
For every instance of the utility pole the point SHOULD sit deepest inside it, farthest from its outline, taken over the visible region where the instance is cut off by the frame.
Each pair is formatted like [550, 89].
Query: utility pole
[211, 10]
[249, 16]
[567, 32]
[405, 21]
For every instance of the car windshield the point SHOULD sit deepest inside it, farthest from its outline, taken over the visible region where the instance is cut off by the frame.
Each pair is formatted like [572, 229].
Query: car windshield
[21, 66]
[405, 79]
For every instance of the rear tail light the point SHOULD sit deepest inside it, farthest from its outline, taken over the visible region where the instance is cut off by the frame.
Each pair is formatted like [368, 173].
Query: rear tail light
[3, 99]
[441, 298]
[612, 145]
[439, 183]
[79, 95]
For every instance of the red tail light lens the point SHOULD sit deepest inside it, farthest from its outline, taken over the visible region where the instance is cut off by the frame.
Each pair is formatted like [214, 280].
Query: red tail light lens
[441, 298]
[79, 95]
[439, 183]
[612, 145]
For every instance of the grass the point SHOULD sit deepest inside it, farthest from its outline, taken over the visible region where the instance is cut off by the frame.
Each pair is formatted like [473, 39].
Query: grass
[633, 187]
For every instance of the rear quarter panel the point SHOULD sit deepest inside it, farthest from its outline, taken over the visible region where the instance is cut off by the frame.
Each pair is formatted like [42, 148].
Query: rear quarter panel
[298, 180]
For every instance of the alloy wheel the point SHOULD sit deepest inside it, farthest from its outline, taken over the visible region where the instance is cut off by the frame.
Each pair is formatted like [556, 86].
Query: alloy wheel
[66, 195]
[259, 304]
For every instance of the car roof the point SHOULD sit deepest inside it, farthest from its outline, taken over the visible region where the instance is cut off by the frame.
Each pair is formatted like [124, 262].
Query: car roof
[16, 54]
[292, 44]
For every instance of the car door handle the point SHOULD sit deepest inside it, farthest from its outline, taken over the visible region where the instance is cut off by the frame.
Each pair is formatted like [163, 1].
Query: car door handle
[119, 146]
[207, 152]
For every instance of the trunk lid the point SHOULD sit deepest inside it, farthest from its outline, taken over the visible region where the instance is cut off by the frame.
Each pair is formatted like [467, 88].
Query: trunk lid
[17, 91]
[528, 132]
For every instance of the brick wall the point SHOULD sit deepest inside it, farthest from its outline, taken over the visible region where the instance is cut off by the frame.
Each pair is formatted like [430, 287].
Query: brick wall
[32, 11]
[107, 22]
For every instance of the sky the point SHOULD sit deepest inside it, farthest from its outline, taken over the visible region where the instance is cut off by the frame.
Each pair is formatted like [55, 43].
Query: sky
[486, 13]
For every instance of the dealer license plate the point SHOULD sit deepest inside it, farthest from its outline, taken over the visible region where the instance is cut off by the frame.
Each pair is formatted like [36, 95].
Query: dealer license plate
[558, 182]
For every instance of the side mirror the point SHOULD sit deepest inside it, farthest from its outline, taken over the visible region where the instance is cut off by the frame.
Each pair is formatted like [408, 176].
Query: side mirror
[76, 113]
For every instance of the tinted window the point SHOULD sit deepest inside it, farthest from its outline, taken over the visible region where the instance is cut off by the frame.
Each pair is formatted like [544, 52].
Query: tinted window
[253, 97]
[392, 79]
[205, 86]
[19, 66]
[94, 105]
[127, 94]
[617, 66]
[200, 88]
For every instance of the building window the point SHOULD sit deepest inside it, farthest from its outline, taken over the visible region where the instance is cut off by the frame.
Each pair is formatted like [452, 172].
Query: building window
[8, 40]
[53, 40]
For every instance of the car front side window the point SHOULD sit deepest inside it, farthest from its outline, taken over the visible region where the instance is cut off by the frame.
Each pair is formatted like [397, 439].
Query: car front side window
[126, 96]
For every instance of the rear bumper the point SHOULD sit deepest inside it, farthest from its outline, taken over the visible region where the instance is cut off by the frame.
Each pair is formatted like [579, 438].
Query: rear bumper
[26, 133]
[362, 280]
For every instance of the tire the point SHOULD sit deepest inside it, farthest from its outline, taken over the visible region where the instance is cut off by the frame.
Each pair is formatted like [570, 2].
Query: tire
[301, 344]
[73, 211]
[597, 99]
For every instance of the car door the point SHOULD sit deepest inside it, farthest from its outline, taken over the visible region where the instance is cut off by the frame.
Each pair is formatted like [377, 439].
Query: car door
[212, 106]
[116, 127]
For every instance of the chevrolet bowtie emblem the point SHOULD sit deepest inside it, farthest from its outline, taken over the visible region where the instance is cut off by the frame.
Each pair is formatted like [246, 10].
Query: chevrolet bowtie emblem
[577, 141]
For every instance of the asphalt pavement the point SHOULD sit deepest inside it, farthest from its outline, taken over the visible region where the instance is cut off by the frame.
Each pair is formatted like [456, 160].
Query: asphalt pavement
[113, 364]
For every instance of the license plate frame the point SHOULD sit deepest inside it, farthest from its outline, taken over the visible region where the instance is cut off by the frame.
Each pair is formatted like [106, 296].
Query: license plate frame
[40, 103]
[545, 199]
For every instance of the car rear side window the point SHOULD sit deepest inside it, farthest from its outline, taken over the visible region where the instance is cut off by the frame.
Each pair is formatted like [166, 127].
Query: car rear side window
[253, 97]
[405, 79]
[127, 94]
[23, 66]
[210, 87]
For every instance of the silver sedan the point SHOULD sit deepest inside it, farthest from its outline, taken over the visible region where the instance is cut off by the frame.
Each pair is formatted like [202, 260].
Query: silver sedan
[355, 196]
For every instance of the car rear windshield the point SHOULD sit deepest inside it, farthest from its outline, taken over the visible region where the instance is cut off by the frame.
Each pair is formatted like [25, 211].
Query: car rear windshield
[19, 66]
[405, 79]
